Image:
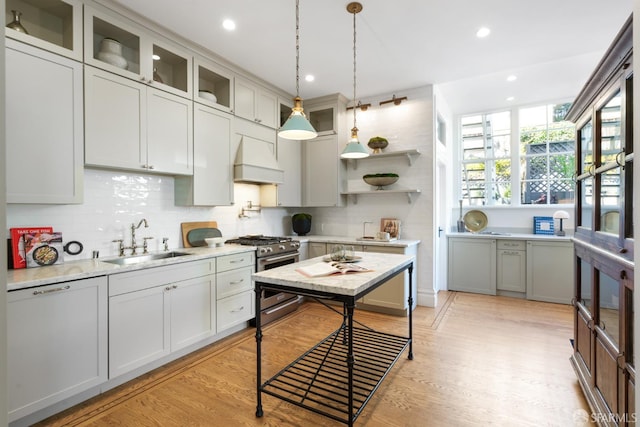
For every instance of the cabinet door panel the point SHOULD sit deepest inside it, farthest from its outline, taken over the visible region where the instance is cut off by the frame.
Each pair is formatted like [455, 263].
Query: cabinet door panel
[606, 375]
[44, 127]
[57, 343]
[169, 133]
[472, 265]
[212, 170]
[321, 172]
[550, 271]
[115, 121]
[511, 273]
[138, 329]
[245, 99]
[192, 319]
[267, 109]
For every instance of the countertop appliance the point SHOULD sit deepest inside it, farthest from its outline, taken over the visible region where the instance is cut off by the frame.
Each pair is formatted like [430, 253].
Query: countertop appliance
[272, 252]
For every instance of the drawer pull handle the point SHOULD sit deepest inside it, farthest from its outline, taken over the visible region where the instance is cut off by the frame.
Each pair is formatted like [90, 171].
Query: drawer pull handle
[48, 291]
[236, 282]
[238, 310]
[235, 261]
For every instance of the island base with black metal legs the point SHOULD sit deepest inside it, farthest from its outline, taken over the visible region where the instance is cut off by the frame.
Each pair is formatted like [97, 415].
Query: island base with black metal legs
[338, 376]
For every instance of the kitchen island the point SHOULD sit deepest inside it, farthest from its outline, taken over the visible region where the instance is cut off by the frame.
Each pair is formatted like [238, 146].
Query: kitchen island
[338, 376]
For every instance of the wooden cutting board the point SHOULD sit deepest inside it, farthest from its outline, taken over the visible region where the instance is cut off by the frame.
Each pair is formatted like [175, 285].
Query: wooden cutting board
[194, 233]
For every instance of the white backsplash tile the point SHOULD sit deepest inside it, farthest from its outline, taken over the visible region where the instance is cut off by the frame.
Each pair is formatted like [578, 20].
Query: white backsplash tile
[114, 200]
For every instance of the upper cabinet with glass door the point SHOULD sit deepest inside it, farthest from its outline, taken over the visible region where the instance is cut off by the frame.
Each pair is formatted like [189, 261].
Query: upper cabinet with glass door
[53, 25]
[213, 85]
[117, 45]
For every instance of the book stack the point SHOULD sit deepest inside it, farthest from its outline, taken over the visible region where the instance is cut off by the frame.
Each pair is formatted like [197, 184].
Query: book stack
[36, 247]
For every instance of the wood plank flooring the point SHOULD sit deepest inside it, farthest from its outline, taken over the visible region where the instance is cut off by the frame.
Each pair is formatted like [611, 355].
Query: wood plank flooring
[478, 360]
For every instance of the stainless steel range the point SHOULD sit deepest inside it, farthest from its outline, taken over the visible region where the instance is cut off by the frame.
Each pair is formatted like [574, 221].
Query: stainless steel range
[273, 252]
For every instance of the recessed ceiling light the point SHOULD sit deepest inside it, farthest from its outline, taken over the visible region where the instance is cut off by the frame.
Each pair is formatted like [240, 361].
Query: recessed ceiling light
[229, 24]
[511, 98]
[512, 78]
[309, 77]
[483, 32]
[155, 57]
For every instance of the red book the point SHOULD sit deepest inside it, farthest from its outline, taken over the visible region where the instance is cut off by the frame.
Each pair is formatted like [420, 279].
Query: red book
[17, 243]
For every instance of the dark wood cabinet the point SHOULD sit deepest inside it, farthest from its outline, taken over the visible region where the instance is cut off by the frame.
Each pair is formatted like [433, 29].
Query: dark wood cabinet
[603, 240]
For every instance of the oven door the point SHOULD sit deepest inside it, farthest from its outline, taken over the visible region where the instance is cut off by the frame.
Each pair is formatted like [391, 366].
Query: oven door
[268, 263]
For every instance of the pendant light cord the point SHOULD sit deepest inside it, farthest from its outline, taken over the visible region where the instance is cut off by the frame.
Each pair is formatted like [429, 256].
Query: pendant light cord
[354, 70]
[297, 48]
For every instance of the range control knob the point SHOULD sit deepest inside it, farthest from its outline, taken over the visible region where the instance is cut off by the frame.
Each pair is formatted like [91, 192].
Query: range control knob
[263, 250]
[282, 247]
[295, 244]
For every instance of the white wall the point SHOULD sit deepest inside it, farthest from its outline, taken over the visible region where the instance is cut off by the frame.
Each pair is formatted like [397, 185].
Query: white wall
[406, 126]
[114, 200]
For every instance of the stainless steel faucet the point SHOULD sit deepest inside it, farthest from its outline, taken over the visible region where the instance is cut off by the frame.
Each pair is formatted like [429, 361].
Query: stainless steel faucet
[134, 227]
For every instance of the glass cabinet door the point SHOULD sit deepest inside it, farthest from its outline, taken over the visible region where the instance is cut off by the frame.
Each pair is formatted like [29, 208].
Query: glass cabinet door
[586, 167]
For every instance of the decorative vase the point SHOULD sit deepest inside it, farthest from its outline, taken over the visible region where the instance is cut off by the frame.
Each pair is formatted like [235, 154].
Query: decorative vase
[301, 223]
[15, 24]
[377, 144]
[111, 53]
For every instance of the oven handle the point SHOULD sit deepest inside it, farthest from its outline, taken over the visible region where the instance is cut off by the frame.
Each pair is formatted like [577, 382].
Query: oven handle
[279, 258]
[280, 307]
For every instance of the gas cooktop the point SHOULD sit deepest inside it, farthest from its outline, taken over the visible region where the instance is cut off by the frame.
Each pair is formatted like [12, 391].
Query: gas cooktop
[258, 240]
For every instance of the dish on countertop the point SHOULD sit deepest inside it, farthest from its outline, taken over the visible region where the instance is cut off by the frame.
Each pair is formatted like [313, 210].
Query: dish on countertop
[354, 258]
[45, 255]
[475, 221]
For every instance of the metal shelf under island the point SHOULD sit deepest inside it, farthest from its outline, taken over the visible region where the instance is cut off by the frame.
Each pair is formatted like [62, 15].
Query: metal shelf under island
[338, 376]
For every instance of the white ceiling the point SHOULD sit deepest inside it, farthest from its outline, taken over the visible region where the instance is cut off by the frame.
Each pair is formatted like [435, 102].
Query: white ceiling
[551, 45]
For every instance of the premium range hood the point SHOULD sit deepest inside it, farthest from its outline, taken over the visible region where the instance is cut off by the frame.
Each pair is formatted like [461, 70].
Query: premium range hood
[256, 163]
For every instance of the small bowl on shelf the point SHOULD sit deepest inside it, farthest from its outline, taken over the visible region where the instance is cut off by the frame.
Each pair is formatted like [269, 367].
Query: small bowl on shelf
[377, 144]
[208, 95]
[380, 180]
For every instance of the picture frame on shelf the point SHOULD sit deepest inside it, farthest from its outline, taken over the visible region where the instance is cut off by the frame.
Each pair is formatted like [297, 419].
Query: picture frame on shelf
[391, 226]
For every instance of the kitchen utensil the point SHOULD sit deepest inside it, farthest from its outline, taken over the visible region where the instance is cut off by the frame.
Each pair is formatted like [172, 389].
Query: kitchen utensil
[460, 220]
[194, 233]
[475, 221]
[73, 247]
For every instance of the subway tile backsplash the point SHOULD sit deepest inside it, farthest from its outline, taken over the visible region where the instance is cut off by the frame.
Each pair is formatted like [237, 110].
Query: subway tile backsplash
[114, 200]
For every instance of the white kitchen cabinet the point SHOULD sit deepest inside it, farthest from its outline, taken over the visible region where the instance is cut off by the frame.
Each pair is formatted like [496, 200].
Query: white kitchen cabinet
[289, 193]
[394, 294]
[303, 251]
[44, 126]
[550, 272]
[57, 343]
[151, 59]
[129, 125]
[53, 25]
[214, 80]
[234, 294]
[512, 266]
[212, 180]
[323, 171]
[156, 311]
[472, 265]
[255, 103]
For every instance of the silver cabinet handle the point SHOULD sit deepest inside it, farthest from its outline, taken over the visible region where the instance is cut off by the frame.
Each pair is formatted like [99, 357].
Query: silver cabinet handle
[48, 291]
[237, 310]
[235, 261]
[236, 282]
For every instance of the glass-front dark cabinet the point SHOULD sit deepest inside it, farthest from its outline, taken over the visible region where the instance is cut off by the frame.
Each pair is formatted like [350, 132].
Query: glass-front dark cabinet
[603, 356]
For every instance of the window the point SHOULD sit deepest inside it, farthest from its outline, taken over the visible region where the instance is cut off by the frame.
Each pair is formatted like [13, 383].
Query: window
[486, 159]
[535, 165]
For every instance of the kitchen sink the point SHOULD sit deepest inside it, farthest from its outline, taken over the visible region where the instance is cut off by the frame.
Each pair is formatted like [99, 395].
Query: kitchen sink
[137, 259]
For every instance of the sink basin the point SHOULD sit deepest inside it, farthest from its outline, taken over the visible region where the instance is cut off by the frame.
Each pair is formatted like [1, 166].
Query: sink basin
[137, 259]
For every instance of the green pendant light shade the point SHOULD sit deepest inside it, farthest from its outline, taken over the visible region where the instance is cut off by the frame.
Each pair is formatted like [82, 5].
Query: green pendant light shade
[354, 150]
[297, 126]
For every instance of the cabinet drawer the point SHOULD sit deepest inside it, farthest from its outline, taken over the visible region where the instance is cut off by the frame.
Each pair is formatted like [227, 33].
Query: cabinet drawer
[234, 310]
[149, 277]
[513, 245]
[231, 262]
[233, 282]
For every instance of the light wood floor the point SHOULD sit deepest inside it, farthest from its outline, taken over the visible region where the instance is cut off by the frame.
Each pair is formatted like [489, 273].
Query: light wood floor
[478, 360]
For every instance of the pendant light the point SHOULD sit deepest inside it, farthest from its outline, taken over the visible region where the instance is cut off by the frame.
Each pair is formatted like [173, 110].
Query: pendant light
[354, 150]
[297, 126]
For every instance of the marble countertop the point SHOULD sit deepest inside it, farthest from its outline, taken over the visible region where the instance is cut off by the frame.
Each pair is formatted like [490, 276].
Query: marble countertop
[383, 265]
[512, 236]
[83, 269]
[403, 243]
